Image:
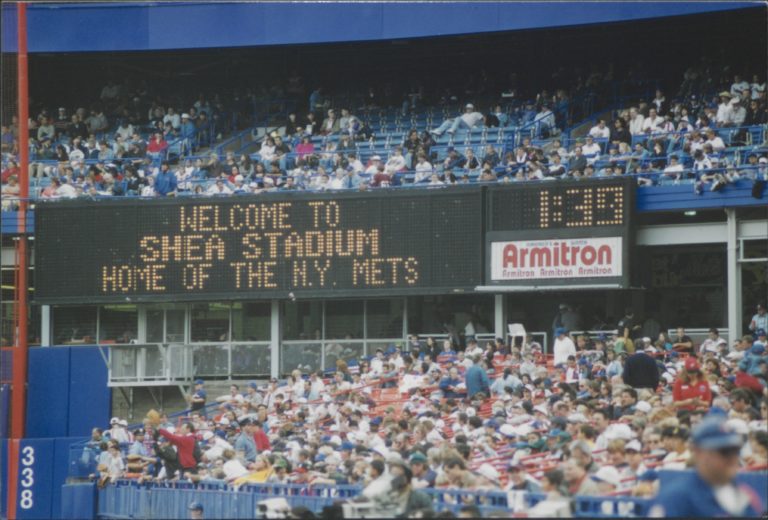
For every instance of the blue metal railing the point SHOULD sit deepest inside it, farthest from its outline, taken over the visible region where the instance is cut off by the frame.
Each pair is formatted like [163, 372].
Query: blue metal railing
[128, 499]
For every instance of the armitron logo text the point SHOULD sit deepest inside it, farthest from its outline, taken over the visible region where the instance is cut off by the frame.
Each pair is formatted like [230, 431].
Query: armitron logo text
[559, 254]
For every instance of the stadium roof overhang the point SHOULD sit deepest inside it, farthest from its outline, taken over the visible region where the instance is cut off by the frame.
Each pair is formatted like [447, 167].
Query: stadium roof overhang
[144, 26]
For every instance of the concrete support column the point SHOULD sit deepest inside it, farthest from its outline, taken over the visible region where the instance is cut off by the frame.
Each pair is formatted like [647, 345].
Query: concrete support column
[499, 316]
[274, 343]
[45, 325]
[733, 276]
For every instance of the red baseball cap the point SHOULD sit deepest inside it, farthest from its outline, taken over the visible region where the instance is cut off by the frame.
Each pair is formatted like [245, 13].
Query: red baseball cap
[691, 364]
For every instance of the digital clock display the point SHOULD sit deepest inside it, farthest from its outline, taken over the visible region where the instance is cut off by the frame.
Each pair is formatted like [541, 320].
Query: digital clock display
[252, 247]
[573, 204]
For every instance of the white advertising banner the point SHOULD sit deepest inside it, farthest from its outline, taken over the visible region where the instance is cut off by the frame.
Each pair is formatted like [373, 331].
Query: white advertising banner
[556, 258]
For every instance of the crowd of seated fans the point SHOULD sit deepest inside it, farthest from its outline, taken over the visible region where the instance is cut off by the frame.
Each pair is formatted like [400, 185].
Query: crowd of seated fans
[124, 127]
[599, 417]
[706, 141]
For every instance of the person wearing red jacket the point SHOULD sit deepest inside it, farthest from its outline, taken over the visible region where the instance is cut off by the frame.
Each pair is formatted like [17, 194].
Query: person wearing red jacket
[185, 446]
[691, 390]
[259, 437]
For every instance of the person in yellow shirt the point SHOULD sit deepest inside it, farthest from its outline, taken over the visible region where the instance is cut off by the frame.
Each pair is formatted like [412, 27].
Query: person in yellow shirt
[261, 471]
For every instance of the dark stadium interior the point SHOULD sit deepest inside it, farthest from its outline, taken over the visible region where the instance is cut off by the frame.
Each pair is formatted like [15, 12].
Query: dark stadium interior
[648, 49]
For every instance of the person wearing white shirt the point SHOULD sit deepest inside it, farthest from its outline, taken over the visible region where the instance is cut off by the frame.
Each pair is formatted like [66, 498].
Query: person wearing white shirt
[318, 387]
[423, 169]
[435, 180]
[546, 120]
[636, 121]
[469, 119]
[757, 88]
[674, 169]
[738, 113]
[563, 348]
[715, 141]
[233, 468]
[267, 151]
[219, 188]
[66, 191]
[173, 118]
[652, 122]
[701, 161]
[149, 189]
[355, 163]
[591, 149]
[374, 167]
[339, 181]
[396, 161]
[723, 109]
[739, 88]
[377, 363]
[600, 131]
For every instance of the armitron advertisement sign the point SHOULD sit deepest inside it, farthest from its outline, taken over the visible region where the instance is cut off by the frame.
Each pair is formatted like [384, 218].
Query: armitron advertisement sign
[556, 258]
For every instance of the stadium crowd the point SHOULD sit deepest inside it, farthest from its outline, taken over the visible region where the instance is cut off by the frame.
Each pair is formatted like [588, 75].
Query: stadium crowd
[708, 139]
[599, 417]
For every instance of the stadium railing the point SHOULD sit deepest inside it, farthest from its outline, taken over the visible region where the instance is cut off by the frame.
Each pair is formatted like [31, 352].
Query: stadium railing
[129, 499]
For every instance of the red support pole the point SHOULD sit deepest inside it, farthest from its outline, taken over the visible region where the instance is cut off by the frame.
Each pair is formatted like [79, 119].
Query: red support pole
[19, 381]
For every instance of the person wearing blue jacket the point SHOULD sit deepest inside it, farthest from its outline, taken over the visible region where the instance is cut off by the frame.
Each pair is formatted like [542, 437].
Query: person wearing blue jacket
[750, 363]
[714, 488]
[477, 379]
[449, 384]
[165, 181]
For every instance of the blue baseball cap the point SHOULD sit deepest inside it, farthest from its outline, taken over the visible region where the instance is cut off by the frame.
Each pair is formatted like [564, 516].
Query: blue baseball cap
[347, 446]
[760, 332]
[713, 433]
[561, 330]
[195, 506]
[757, 348]
[199, 382]
[648, 476]
[253, 385]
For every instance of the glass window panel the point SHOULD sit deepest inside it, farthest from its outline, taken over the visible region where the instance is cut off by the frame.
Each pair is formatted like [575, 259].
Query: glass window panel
[211, 360]
[153, 362]
[303, 320]
[450, 315]
[304, 356]
[344, 351]
[251, 321]
[174, 325]
[343, 319]
[251, 360]
[73, 325]
[118, 323]
[123, 362]
[756, 249]
[372, 346]
[210, 322]
[155, 325]
[385, 318]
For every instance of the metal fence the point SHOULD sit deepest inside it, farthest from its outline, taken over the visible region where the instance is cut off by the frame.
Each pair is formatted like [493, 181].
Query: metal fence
[128, 499]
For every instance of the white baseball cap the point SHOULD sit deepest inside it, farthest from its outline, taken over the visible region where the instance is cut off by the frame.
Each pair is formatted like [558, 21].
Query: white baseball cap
[643, 406]
[608, 474]
[488, 471]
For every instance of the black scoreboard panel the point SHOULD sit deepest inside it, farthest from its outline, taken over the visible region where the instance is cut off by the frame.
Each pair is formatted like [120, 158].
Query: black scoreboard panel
[395, 242]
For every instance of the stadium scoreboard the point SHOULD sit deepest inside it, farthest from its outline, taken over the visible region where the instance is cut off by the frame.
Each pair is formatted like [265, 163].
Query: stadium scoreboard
[252, 247]
[560, 233]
